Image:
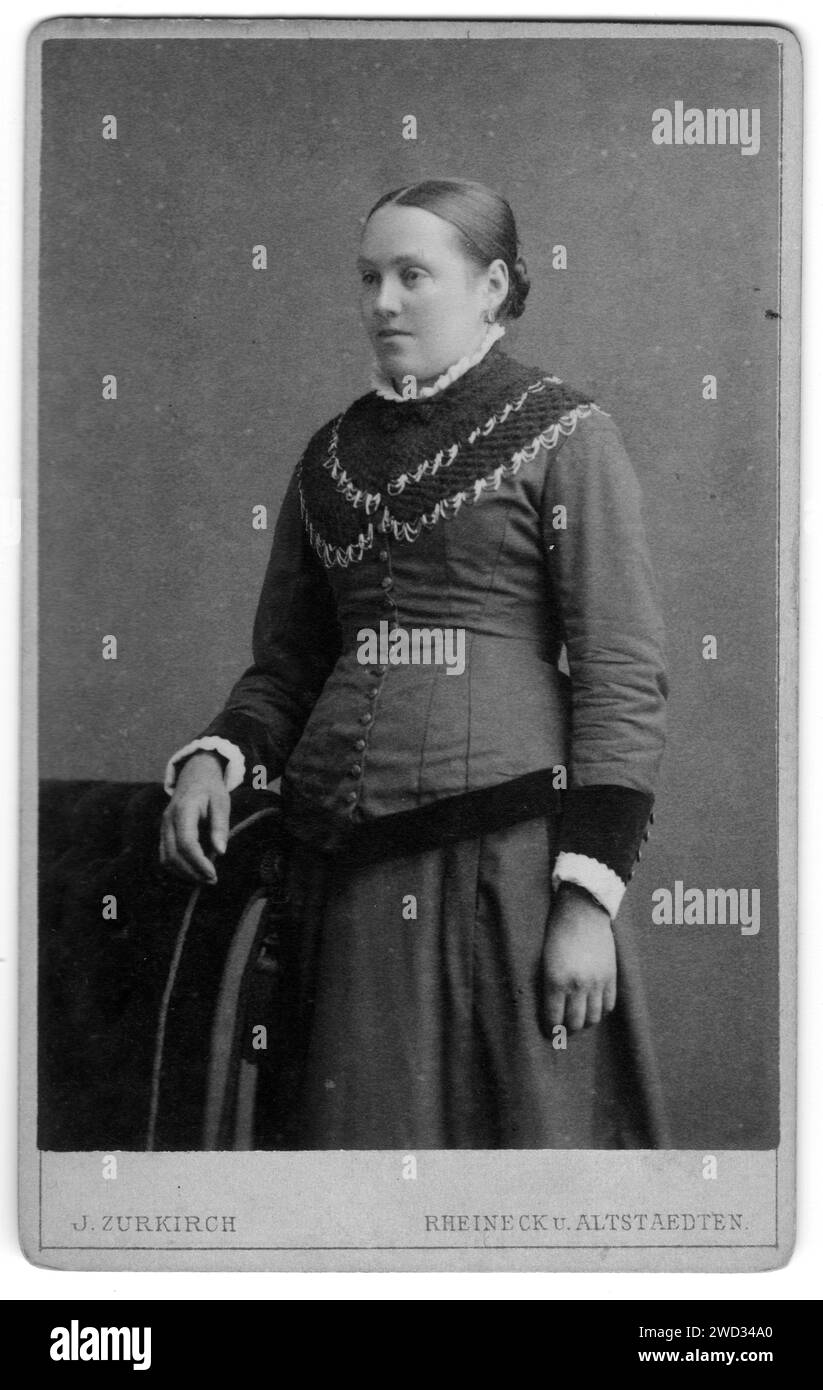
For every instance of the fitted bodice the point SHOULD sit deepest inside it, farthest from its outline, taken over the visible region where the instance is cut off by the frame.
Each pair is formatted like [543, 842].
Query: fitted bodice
[388, 734]
[507, 511]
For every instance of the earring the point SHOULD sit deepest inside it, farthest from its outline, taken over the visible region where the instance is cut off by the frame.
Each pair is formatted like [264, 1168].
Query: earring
[490, 316]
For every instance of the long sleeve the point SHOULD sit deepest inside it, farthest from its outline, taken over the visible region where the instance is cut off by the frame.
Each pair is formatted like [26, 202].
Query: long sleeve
[604, 588]
[295, 644]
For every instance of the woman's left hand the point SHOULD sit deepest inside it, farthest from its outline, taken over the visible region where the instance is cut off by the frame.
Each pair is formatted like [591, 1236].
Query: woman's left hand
[579, 964]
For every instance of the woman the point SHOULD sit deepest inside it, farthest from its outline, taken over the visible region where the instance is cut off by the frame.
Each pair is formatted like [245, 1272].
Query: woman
[463, 829]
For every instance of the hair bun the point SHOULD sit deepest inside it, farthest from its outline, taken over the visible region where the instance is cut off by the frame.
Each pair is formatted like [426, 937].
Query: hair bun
[519, 286]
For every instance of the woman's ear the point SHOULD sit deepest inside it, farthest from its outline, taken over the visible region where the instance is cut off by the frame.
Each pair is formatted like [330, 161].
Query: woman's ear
[497, 284]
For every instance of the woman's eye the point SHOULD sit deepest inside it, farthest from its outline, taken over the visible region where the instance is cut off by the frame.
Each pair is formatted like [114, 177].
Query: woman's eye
[367, 277]
[411, 275]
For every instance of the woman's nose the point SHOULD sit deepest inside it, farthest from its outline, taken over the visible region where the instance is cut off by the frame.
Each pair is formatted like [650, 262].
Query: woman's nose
[386, 300]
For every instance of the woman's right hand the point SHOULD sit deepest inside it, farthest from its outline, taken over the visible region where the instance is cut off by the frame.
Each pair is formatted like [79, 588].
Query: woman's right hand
[199, 796]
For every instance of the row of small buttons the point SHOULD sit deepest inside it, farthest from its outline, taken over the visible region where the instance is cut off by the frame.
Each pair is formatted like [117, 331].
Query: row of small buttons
[367, 717]
[638, 856]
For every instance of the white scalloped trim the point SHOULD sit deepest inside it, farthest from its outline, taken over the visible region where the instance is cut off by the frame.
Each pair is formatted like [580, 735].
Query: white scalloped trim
[233, 773]
[598, 879]
[383, 386]
[447, 506]
[370, 501]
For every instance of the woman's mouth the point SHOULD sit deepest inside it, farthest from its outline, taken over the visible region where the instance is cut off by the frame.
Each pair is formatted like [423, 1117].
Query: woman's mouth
[387, 333]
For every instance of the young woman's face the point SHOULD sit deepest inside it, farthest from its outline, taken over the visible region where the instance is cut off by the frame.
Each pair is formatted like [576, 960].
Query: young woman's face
[423, 301]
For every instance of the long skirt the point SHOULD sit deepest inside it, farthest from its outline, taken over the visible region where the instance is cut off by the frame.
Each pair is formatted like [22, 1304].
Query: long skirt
[411, 989]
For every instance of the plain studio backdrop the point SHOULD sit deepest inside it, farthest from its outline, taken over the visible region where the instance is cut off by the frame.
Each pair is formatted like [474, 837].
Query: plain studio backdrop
[224, 371]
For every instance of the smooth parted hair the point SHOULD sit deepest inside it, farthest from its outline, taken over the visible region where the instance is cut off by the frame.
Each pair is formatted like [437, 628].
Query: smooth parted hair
[484, 221]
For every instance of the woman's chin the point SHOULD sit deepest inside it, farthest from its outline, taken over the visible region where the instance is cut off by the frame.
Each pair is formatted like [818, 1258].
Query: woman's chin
[391, 353]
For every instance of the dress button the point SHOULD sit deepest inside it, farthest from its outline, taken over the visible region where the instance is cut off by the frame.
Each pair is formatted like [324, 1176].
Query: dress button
[351, 798]
[355, 769]
[378, 670]
[372, 694]
[386, 583]
[366, 718]
[360, 744]
[384, 555]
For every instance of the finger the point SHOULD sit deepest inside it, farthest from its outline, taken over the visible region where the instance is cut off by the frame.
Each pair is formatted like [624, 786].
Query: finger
[576, 1003]
[188, 850]
[594, 1009]
[181, 869]
[166, 849]
[219, 808]
[173, 863]
[554, 1007]
[610, 995]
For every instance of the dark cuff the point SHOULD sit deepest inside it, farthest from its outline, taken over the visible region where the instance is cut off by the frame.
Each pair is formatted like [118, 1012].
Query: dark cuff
[607, 823]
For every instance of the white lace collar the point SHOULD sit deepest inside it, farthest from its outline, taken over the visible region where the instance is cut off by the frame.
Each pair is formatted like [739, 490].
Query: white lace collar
[382, 384]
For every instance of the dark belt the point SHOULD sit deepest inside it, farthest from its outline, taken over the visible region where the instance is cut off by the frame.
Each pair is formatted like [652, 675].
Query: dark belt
[437, 823]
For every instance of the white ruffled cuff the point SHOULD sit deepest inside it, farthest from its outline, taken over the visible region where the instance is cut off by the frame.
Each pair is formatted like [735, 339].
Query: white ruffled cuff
[598, 879]
[235, 769]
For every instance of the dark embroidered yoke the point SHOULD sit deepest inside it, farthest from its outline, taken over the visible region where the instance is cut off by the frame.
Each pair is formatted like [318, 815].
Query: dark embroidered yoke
[400, 465]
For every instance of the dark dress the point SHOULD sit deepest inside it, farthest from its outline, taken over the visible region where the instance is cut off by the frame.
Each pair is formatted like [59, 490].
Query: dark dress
[431, 808]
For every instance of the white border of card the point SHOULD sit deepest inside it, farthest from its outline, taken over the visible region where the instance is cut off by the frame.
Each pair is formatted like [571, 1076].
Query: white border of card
[260, 1210]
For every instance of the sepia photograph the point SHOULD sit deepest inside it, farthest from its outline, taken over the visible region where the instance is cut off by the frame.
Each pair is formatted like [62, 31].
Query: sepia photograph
[409, 645]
